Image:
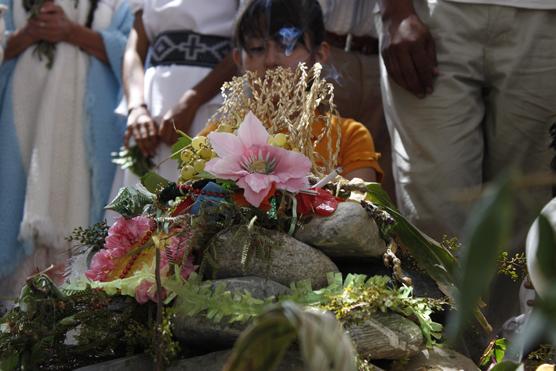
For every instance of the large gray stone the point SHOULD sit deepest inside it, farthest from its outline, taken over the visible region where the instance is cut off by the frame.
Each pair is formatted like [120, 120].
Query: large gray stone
[292, 361]
[214, 361]
[386, 336]
[198, 330]
[437, 359]
[288, 261]
[259, 287]
[140, 362]
[349, 232]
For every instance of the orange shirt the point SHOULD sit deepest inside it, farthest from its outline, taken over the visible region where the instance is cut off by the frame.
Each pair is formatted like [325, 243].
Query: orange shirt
[357, 149]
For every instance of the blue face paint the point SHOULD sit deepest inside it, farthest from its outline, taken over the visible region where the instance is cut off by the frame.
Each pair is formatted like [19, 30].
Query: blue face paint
[288, 37]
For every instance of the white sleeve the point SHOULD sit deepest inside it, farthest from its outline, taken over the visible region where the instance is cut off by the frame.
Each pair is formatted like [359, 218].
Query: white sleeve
[136, 5]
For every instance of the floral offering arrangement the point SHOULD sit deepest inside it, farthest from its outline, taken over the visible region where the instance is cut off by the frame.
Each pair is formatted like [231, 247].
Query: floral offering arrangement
[246, 192]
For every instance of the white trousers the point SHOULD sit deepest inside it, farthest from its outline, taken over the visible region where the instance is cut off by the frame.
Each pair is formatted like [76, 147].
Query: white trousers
[491, 108]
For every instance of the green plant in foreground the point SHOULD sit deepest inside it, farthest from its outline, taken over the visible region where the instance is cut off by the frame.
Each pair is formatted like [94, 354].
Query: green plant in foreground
[323, 343]
[515, 267]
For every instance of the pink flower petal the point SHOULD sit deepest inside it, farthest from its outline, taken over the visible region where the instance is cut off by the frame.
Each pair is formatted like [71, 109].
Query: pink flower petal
[258, 182]
[225, 168]
[142, 291]
[254, 198]
[294, 184]
[226, 144]
[291, 164]
[252, 132]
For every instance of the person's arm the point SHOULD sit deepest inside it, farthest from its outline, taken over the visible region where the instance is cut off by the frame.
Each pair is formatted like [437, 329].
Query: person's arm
[408, 48]
[367, 174]
[133, 70]
[357, 155]
[140, 124]
[88, 40]
[183, 114]
[21, 39]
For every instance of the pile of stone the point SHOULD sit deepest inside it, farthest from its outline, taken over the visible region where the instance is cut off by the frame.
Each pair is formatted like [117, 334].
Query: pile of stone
[349, 233]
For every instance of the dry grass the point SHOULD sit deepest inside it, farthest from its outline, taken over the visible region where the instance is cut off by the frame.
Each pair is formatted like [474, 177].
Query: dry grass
[286, 101]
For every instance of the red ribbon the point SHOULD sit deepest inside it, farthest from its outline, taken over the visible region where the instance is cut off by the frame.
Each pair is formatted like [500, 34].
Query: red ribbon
[323, 203]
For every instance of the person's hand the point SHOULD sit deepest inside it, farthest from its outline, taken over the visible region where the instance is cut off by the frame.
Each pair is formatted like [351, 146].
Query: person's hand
[53, 23]
[143, 129]
[32, 30]
[409, 53]
[179, 117]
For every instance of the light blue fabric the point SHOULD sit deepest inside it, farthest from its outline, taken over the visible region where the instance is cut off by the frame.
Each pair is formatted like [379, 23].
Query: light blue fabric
[12, 174]
[104, 130]
[103, 134]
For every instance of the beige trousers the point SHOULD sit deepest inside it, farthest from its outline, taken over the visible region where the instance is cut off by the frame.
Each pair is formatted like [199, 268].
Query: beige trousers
[356, 79]
[490, 109]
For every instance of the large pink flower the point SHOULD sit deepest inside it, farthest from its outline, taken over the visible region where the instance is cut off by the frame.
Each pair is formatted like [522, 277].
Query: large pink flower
[254, 164]
[122, 237]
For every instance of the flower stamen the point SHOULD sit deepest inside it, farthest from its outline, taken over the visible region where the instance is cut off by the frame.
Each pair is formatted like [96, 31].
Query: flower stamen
[258, 161]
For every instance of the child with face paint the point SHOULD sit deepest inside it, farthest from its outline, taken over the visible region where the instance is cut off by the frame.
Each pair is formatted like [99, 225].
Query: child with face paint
[273, 33]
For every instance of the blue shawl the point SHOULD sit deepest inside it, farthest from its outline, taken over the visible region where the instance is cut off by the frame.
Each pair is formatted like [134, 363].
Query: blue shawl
[103, 135]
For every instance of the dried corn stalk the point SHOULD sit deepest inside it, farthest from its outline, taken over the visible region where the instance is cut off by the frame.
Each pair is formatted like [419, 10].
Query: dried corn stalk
[286, 101]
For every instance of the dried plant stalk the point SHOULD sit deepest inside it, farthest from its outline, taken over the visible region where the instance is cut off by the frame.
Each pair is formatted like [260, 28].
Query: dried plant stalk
[286, 101]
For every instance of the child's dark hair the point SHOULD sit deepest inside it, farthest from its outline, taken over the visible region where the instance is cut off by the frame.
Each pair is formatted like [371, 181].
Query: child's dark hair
[268, 19]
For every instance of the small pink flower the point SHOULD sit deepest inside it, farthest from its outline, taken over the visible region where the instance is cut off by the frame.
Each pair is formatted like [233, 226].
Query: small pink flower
[126, 232]
[101, 266]
[142, 291]
[175, 251]
[254, 164]
[147, 291]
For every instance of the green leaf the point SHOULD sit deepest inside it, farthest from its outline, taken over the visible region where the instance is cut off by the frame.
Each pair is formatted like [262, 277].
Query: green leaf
[153, 182]
[507, 366]
[500, 347]
[431, 256]
[9, 361]
[379, 195]
[487, 232]
[133, 159]
[546, 253]
[183, 141]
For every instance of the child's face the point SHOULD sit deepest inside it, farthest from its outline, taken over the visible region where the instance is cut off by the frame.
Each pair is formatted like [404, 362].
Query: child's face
[260, 55]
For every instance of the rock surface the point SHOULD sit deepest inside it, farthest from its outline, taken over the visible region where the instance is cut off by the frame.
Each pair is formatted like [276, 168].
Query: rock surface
[140, 362]
[209, 362]
[349, 232]
[437, 359]
[292, 361]
[386, 336]
[289, 260]
[199, 330]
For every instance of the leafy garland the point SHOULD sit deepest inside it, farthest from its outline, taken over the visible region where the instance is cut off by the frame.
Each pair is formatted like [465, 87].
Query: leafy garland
[352, 300]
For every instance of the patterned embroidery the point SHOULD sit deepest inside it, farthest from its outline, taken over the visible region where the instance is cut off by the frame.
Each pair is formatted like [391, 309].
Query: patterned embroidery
[189, 48]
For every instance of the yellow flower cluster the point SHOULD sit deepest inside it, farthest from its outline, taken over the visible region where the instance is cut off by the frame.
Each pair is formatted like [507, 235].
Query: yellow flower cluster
[194, 157]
